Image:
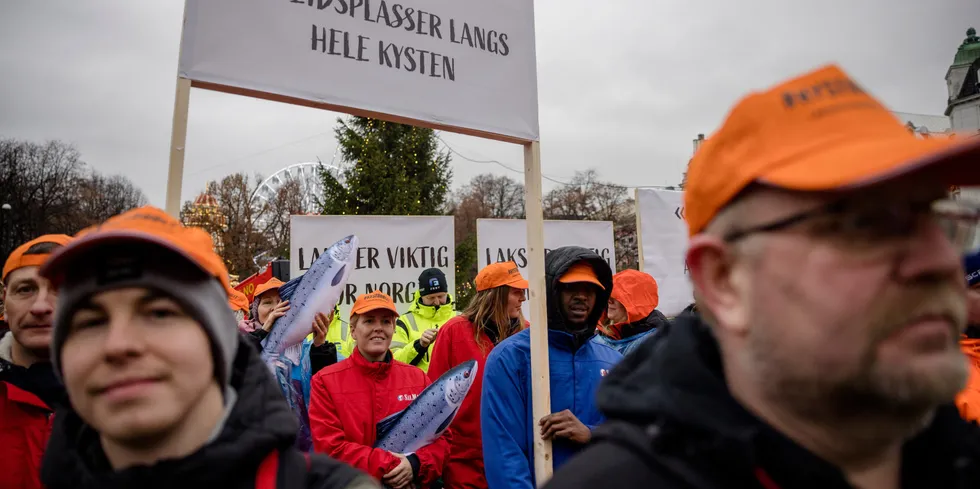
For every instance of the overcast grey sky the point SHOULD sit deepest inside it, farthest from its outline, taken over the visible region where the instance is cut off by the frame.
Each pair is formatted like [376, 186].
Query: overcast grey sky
[624, 85]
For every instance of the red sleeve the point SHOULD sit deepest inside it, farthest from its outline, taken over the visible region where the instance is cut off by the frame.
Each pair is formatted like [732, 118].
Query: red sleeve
[328, 435]
[441, 359]
[433, 457]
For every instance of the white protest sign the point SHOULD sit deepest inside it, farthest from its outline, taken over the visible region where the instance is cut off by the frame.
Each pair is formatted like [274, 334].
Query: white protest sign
[663, 235]
[393, 251]
[467, 64]
[499, 240]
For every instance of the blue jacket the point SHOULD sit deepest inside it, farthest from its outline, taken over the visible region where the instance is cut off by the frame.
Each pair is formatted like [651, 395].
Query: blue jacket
[506, 409]
[625, 345]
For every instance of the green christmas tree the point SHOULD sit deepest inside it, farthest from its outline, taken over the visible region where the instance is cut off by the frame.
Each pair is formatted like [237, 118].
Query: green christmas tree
[392, 169]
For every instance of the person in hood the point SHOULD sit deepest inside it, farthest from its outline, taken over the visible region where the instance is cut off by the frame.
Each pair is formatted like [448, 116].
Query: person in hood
[632, 311]
[578, 282]
[29, 390]
[825, 258]
[417, 329]
[968, 400]
[349, 400]
[493, 315]
[163, 390]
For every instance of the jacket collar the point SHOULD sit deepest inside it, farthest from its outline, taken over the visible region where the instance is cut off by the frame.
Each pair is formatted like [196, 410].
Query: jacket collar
[430, 313]
[373, 369]
[566, 341]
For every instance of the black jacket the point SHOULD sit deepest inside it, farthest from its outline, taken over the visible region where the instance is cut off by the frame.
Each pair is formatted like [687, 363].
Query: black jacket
[259, 423]
[674, 424]
[556, 263]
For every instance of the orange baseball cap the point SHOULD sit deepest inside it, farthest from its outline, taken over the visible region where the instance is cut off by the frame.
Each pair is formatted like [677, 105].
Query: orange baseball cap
[18, 259]
[373, 301]
[499, 275]
[818, 132]
[147, 225]
[272, 284]
[581, 272]
[237, 300]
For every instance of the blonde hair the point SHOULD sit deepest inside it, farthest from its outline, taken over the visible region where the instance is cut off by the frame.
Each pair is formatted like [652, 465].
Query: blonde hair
[491, 306]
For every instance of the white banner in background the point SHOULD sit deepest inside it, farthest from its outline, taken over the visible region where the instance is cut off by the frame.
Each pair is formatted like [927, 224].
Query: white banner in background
[499, 240]
[467, 64]
[393, 251]
[663, 234]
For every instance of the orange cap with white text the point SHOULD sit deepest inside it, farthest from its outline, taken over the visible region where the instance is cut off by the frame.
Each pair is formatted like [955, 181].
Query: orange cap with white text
[818, 132]
[373, 301]
[147, 225]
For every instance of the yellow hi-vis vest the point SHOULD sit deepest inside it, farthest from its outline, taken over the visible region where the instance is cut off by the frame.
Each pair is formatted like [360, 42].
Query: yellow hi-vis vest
[410, 327]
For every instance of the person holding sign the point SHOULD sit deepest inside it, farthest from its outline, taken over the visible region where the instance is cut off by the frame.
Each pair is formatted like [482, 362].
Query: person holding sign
[493, 315]
[163, 390]
[578, 283]
[416, 329]
[350, 398]
[632, 312]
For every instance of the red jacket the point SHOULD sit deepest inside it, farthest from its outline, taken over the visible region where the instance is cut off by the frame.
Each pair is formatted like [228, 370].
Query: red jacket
[25, 425]
[348, 399]
[456, 344]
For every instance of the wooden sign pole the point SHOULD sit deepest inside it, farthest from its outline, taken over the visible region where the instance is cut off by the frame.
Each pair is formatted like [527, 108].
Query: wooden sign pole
[178, 138]
[538, 300]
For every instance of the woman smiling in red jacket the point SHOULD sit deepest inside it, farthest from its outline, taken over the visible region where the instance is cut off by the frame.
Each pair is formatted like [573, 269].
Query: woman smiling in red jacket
[348, 399]
[492, 315]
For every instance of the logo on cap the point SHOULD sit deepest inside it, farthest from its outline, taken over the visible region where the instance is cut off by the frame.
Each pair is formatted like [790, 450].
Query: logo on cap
[434, 282]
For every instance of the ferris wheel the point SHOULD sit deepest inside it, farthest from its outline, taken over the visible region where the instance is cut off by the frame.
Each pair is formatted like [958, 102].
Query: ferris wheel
[307, 177]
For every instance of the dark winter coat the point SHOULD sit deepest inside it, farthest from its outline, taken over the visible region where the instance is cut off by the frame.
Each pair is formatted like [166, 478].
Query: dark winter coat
[674, 424]
[260, 423]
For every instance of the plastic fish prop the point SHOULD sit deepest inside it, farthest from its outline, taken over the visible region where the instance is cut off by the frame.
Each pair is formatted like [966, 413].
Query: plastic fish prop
[424, 420]
[317, 290]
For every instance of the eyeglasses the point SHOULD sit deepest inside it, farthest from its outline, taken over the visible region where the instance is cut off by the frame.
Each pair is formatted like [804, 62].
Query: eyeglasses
[856, 224]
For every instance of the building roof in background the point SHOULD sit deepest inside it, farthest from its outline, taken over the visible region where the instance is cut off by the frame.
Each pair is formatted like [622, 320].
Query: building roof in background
[969, 51]
[933, 124]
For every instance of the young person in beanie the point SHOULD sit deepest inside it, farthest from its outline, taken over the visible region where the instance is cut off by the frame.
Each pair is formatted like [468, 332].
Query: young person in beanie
[163, 390]
[29, 390]
[493, 315]
[349, 399]
[416, 329]
[826, 260]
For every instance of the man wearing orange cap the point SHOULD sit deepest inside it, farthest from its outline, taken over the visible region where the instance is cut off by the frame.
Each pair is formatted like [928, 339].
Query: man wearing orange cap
[29, 390]
[578, 282]
[825, 256]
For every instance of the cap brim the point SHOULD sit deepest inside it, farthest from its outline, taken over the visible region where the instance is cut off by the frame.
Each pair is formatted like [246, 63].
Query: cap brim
[850, 166]
[371, 307]
[583, 280]
[54, 268]
[519, 283]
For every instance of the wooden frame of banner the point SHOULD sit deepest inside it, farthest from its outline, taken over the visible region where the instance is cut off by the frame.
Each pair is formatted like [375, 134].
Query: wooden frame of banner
[639, 229]
[540, 370]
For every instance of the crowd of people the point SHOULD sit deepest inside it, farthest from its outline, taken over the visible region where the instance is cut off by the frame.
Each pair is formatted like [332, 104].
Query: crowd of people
[825, 347]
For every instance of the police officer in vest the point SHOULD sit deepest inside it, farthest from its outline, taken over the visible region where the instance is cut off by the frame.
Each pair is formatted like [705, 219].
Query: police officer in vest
[416, 330]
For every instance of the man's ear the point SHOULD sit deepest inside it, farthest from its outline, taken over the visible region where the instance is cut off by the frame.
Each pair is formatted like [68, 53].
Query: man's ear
[718, 285]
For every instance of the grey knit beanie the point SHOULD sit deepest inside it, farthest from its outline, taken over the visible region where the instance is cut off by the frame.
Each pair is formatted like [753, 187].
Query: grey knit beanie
[135, 264]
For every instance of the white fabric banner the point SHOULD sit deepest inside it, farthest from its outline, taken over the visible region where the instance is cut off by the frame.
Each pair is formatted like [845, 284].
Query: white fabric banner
[663, 235]
[499, 240]
[393, 251]
[462, 63]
